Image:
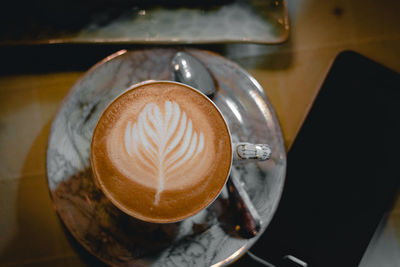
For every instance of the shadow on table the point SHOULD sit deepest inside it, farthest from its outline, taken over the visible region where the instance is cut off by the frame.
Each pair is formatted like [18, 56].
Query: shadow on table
[39, 239]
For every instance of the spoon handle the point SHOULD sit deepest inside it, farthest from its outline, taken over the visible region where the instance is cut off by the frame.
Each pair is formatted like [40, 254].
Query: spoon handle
[250, 222]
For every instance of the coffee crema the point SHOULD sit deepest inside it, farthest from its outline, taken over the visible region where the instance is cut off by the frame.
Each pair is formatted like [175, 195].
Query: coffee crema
[161, 152]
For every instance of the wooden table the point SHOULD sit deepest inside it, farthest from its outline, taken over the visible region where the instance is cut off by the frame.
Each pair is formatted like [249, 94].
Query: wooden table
[34, 80]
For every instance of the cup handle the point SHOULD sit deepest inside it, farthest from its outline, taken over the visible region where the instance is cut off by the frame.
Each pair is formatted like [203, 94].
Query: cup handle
[251, 152]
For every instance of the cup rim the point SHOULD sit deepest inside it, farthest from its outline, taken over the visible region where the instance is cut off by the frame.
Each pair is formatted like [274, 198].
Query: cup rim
[115, 202]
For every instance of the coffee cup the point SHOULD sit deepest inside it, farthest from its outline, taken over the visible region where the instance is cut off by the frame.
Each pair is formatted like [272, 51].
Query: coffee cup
[162, 151]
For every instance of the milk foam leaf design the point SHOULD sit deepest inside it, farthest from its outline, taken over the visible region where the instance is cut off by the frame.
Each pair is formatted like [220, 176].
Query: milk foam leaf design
[162, 140]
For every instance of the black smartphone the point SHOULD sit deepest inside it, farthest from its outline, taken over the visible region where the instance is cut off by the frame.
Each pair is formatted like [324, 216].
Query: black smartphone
[342, 169]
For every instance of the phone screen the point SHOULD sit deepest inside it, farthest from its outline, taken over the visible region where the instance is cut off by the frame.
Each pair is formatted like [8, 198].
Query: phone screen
[342, 170]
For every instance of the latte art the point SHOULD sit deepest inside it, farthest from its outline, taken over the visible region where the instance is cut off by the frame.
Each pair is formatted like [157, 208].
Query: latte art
[161, 152]
[161, 141]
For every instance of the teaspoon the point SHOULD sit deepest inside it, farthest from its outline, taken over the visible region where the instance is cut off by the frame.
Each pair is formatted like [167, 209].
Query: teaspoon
[189, 70]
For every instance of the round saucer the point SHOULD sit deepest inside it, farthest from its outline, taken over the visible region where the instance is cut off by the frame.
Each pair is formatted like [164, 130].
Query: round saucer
[209, 237]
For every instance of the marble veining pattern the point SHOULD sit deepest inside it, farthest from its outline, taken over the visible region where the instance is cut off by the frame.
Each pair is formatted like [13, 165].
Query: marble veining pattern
[202, 240]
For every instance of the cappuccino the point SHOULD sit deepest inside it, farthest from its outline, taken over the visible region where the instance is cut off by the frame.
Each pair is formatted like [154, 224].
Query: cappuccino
[161, 152]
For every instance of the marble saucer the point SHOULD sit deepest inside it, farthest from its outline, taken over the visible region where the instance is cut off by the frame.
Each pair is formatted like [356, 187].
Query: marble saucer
[206, 239]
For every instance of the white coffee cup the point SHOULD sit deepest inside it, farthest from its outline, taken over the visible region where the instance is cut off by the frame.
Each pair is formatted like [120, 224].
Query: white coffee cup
[132, 172]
